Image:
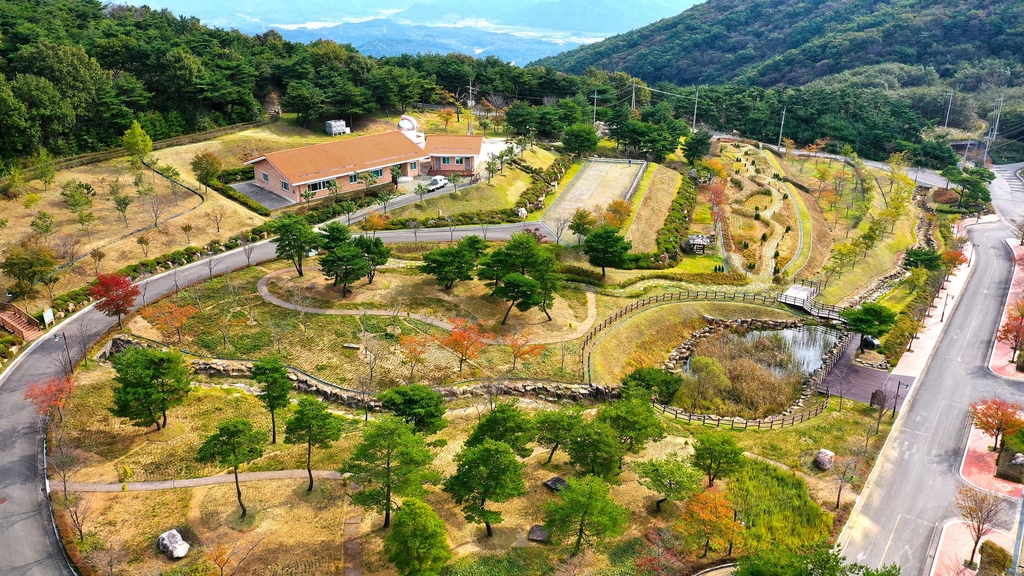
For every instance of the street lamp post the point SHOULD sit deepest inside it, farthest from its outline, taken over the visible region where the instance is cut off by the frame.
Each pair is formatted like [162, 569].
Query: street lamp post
[71, 365]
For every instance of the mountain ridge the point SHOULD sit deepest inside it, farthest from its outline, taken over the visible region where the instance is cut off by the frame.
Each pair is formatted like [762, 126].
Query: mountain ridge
[792, 42]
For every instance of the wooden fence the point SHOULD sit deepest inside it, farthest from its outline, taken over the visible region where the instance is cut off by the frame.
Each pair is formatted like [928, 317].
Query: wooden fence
[765, 299]
[734, 423]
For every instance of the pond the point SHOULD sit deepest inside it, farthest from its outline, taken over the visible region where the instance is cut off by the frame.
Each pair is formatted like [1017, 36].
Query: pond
[807, 344]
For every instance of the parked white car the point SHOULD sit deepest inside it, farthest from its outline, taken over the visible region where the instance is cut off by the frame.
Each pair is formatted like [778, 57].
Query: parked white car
[437, 182]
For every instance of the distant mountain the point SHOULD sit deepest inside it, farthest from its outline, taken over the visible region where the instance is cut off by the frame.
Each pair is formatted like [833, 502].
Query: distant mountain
[519, 31]
[773, 42]
[578, 16]
[385, 37]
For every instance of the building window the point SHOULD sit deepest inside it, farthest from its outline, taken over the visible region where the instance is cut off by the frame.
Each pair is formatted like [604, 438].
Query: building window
[284, 185]
[317, 186]
[446, 160]
[458, 160]
[377, 173]
[354, 178]
[265, 177]
[412, 165]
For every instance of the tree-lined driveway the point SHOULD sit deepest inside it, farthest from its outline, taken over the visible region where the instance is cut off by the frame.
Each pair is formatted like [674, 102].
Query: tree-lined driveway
[911, 495]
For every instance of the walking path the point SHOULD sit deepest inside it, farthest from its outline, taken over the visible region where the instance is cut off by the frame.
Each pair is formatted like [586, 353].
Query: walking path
[1001, 361]
[978, 467]
[205, 481]
[264, 292]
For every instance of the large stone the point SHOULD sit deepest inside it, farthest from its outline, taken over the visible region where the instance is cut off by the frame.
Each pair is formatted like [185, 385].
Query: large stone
[1018, 459]
[538, 534]
[556, 483]
[824, 459]
[172, 544]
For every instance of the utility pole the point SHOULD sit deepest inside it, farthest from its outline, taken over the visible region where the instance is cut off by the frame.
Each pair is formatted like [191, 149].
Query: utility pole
[632, 105]
[948, 106]
[470, 102]
[595, 107]
[781, 126]
[994, 132]
[697, 99]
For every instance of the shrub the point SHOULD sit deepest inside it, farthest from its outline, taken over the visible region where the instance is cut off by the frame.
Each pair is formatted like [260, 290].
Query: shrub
[995, 559]
[945, 196]
[239, 198]
[677, 221]
[714, 278]
[232, 175]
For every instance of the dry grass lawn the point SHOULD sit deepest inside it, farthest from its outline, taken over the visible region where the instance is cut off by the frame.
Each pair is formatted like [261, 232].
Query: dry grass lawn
[297, 532]
[650, 215]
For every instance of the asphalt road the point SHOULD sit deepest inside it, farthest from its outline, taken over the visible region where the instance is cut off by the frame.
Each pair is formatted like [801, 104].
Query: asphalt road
[28, 546]
[916, 476]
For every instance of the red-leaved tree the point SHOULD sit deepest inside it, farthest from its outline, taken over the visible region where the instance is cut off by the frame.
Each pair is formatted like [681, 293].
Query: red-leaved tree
[997, 418]
[1011, 333]
[50, 395]
[116, 294]
[465, 339]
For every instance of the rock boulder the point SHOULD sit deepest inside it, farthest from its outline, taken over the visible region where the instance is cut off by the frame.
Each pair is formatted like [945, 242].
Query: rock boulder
[172, 544]
[824, 459]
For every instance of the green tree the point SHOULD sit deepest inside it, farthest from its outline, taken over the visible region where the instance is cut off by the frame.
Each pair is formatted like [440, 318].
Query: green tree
[312, 425]
[657, 380]
[697, 146]
[595, 449]
[485, 472]
[295, 238]
[606, 247]
[582, 223]
[348, 208]
[521, 117]
[418, 405]
[306, 100]
[633, 418]
[579, 139]
[148, 383]
[584, 514]
[815, 560]
[272, 376]
[27, 264]
[333, 235]
[556, 428]
[375, 252]
[391, 460]
[206, 166]
[137, 144]
[234, 443]
[505, 423]
[121, 203]
[368, 179]
[716, 454]
[345, 264]
[520, 291]
[46, 167]
[396, 173]
[418, 542]
[43, 224]
[869, 319]
[672, 477]
[448, 265]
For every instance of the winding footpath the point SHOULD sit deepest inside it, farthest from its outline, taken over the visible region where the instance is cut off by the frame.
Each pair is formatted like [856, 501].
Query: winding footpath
[266, 294]
[27, 538]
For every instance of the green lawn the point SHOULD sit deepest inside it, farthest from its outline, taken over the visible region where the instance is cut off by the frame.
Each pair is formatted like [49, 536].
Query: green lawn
[898, 298]
[571, 173]
[697, 263]
[501, 192]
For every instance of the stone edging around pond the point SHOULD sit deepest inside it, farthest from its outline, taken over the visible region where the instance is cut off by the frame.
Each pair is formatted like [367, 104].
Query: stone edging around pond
[681, 354]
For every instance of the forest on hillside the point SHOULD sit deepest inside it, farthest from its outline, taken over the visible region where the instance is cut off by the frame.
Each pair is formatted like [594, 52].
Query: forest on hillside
[75, 74]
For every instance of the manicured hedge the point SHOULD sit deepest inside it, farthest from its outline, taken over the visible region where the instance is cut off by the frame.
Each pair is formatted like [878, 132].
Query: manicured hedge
[236, 196]
[541, 183]
[711, 278]
[677, 223]
[232, 175]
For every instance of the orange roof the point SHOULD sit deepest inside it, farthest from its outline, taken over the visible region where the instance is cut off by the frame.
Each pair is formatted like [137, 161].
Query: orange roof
[454, 145]
[333, 159]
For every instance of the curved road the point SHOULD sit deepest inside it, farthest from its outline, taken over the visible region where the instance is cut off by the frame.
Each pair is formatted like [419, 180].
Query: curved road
[910, 496]
[28, 545]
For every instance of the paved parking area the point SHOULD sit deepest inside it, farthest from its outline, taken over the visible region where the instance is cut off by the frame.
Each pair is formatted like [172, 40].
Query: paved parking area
[596, 185]
[268, 199]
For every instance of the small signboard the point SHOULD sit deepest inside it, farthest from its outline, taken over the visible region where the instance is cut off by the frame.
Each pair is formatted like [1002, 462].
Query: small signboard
[48, 316]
